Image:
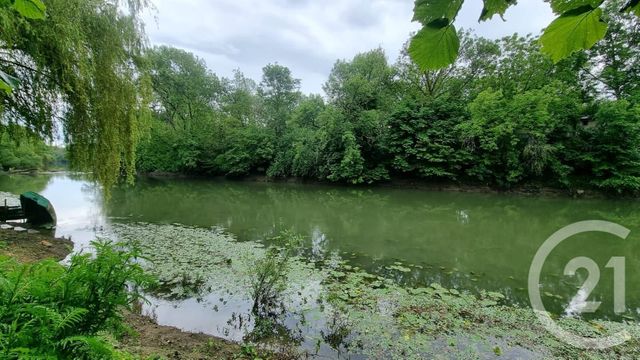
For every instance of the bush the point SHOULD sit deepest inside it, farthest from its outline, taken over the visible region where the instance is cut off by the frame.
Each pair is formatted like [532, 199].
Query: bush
[19, 150]
[514, 140]
[613, 153]
[48, 310]
[424, 140]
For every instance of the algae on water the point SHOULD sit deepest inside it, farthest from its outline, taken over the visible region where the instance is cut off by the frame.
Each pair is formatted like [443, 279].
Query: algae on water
[335, 306]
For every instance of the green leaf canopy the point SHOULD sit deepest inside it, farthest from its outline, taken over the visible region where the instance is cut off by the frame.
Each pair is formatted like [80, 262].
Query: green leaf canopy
[495, 7]
[31, 9]
[562, 6]
[573, 31]
[435, 48]
[428, 11]
[633, 6]
[8, 82]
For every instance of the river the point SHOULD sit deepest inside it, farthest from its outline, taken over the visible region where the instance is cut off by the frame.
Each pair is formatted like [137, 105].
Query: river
[468, 241]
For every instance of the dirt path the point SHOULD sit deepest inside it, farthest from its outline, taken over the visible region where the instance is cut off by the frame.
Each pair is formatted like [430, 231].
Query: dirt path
[29, 246]
[153, 341]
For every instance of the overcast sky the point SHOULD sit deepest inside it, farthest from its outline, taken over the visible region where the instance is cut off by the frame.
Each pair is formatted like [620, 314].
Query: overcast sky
[308, 36]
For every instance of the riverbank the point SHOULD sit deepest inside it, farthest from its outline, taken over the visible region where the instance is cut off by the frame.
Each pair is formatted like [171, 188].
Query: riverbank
[29, 246]
[378, 272]
[530, 189]
[146, 339]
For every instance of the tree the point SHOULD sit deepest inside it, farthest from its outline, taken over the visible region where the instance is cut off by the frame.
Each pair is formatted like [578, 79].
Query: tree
[299, 142]
[364, 83]
[187, 100]
[18, 150]
[579, 26]
[30, 9]
[184, 89]
[363, 91]
[518, 65]
[79, 67]
[612, 153]
[241, 101]
[424, 139]
[613, 67]
[477, 60]
[280, 93]
[512, 139]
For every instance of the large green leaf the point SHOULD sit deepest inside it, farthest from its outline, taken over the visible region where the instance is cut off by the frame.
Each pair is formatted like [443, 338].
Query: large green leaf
[573, 31]
[8, 82]
[435, 47]
[428, 11]
[562, 6]
[495, 7]
[633, 6]
[5, 87]
[32, 9]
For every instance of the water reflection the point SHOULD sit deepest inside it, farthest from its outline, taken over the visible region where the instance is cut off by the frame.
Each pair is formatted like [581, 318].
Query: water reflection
[488, 244]
[463, 217]
[465, 241]
[187, 314]
[318, 244]
[78, 204]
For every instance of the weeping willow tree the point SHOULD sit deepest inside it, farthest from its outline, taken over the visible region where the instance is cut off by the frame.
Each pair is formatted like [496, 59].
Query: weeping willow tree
[78, 72]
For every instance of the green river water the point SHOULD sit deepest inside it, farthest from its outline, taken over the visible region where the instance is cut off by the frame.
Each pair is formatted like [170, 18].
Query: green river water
[467, 241]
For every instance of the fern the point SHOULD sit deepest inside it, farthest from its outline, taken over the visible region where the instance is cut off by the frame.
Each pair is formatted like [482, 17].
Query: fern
[90, 346]
[49, 311]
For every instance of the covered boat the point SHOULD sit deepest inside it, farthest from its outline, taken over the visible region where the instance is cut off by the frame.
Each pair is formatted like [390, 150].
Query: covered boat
[37, 209]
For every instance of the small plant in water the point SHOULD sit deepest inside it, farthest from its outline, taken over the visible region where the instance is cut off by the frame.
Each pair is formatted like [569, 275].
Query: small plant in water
[269, 276]
[268, 283]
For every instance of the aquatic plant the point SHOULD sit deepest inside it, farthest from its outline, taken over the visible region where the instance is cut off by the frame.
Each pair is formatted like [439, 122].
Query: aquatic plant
[391, 321]
[269, 276]
[338, 306]
[268, 281]
[210, 260]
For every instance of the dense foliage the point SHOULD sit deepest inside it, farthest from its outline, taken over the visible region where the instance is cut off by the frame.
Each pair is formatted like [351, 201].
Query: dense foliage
[502, 115]
[20, 150]
[49, 311]
[24, 154]
[490, 114]
[76, 64]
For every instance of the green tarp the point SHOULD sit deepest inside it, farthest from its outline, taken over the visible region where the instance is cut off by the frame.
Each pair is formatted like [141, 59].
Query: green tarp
[37, 209]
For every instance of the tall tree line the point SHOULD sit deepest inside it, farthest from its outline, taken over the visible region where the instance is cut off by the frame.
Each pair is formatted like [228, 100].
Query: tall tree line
[503, 115]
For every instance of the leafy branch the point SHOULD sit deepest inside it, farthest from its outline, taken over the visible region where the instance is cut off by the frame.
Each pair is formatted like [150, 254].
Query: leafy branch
[579, 26]
[30, 9]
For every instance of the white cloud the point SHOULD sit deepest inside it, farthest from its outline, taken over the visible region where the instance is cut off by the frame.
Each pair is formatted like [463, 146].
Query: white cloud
[308, 36]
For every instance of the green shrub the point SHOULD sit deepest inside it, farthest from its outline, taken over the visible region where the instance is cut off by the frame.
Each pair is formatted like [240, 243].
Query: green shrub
[51, 311]
[612, 152]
